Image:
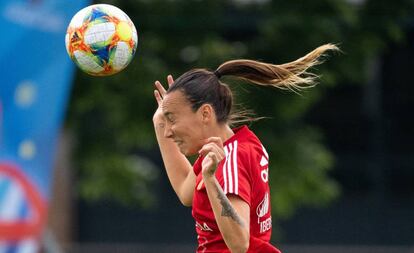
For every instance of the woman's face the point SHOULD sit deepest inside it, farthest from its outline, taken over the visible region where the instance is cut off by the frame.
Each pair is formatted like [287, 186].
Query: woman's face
[183, 125]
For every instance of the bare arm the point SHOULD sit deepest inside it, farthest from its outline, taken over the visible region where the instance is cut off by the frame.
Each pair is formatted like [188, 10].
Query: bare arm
[232, 214]
[178, 168]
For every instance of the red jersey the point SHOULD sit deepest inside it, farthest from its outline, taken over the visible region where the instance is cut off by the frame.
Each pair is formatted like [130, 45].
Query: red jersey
[243, 172]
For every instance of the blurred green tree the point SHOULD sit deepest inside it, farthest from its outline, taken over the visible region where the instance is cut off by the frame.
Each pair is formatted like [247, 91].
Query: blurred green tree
[112, 117]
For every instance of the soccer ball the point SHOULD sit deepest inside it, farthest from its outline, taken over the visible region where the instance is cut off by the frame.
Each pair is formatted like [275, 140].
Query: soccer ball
[101, 39]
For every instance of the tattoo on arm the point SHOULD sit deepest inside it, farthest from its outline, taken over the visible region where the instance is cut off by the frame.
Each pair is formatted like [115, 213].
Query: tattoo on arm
[227, 208]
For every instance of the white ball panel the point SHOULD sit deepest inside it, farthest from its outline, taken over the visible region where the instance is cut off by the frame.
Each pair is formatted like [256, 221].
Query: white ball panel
[122, 56]
[77, 20]
[87, 63]
[99, 33]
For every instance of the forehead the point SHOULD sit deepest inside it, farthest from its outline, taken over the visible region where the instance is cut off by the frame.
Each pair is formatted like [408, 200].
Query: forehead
[174, 102]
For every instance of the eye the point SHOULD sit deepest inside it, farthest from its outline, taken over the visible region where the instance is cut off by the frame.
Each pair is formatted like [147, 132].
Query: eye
[170, 119]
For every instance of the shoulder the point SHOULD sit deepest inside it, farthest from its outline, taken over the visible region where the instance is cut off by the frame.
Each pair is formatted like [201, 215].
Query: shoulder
[246, 137]
[245, 146]
[244, 152]
[238, 148]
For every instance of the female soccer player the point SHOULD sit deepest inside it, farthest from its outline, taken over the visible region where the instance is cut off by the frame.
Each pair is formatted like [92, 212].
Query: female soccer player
[227, 186]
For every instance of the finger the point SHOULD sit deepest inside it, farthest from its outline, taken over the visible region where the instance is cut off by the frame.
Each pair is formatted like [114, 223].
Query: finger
[219, 148]
[213, 157]
[208, 160]
[160, 88]
[170, 80]
[209, 147]
[204, 150]
[216, 140]
[158, 97]
[212, 148]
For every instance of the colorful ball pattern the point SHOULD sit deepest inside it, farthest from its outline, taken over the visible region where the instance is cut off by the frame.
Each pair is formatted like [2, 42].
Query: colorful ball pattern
[101, 39]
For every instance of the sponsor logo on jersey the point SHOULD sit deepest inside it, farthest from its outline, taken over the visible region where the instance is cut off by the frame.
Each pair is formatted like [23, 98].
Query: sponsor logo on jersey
[203, 227]
[264, 162]
[261, 210]
[264, 174]
[266, 225]
[265, 152]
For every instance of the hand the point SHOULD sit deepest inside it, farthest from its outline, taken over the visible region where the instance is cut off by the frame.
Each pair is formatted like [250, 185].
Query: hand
[159, 94]
[213, 153]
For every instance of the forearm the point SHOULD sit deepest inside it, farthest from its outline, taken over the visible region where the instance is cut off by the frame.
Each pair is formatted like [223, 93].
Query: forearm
[234, 229]
[177, 166]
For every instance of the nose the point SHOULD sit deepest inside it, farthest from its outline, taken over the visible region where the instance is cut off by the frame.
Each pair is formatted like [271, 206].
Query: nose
[167, 131]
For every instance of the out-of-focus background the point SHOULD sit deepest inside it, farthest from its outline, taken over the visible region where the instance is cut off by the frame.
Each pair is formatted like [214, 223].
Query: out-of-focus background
[341, 153]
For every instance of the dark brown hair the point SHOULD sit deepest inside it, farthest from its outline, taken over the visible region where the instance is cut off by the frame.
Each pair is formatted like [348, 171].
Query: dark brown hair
[202, 86]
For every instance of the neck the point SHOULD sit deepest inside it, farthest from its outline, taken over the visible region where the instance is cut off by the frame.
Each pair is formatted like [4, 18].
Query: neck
[217, 130]
[225, 132]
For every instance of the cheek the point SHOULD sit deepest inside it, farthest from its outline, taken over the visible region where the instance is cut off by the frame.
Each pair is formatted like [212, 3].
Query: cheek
[179, 128]
[189, 127]
[191, 134]
[197, 139]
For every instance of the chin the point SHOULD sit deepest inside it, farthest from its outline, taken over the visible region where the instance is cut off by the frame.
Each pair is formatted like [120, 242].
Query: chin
[187, 152]
[183, 150]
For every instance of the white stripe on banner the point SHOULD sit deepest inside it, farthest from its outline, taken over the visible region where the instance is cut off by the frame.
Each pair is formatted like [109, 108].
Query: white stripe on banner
[226, 152]
[229, 169]
[236, 176]
[27, 246]
[11, 203]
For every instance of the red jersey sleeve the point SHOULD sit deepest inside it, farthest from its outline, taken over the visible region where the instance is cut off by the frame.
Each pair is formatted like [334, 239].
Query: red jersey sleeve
[236, 176]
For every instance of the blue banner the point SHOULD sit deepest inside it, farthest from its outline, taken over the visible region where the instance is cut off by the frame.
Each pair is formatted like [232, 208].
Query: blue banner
[35, 78]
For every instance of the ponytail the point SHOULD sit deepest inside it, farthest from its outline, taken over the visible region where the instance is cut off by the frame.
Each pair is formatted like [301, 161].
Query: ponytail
[292, 75]
[201, 86]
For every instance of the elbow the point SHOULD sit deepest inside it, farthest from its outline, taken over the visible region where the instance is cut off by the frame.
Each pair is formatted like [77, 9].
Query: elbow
[185, 195]
[186, 203]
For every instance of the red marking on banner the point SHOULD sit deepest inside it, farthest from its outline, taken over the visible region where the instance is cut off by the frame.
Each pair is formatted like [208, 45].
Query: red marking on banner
[21, 229]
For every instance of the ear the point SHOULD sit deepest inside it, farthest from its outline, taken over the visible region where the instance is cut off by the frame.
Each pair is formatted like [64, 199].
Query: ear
[207, 113]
